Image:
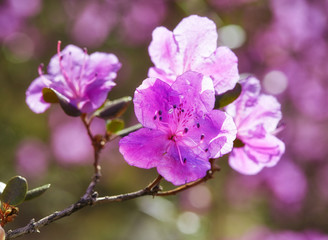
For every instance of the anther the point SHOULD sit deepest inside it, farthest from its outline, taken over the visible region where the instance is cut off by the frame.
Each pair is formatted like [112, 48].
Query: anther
[155, 117]
[185, 130]
[160, 118]
[198, 125]
[206, 150]
[184, 160]
[182, 110]
[202, 137]
[159, 112]
[174, 106]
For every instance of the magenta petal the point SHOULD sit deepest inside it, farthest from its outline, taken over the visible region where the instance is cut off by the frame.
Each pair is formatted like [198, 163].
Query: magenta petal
[266, 111]
[144, 148]
[148, 100]
[72, 55]
[197, 38]
[34, 97]
[197, 90]
[178, 173]
[221, 142]
[163, 51]
[222, 66]
[256, 154]
[240, 162]
[105, 65]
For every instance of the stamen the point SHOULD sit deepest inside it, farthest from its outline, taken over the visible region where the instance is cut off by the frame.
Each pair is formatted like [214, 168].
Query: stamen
[82, 69]
[40, 69]
[184, 160]
[61, 62]
[198, 125]
[159, 112]
[206, 150]
[155, 117]
[185, 130]
[174, 106]
[160, 118]
[44, 79]
[202, 137]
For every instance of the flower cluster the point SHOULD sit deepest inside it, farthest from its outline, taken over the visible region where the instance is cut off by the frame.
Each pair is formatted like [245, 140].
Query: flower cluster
[181, 129]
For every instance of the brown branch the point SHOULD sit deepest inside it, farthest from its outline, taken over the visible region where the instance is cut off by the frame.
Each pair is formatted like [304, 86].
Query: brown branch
[88, 200]
[35, 226]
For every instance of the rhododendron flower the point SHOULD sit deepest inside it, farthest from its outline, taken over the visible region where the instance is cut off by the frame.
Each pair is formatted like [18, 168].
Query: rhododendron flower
[83, 80]
[256, 117]
[193, 46]
[181, 130]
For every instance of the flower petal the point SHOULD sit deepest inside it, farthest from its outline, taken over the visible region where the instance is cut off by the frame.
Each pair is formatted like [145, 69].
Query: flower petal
[144, 148]
[71, 56]
[256, 154]
[222, 66]
[163, 51]
[178, 173]
[34, 97]
[149, 98]
[196, 90]
[105, 65]
[197, 38]
[222, 142]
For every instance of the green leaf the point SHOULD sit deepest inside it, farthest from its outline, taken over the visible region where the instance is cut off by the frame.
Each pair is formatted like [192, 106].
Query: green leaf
[15, 191]
[228, 97]
[68, 108]
[49, 95]
[114, 125]
[129, 130]
[36, 192]
[113, 109]
[2, 187]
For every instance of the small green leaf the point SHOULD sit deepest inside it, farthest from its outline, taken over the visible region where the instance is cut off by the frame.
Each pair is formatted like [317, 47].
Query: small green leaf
[114, 125]
[113, 109]
[228, 97]
[36, 192]
[49, 95]
[2, 187]
[129, 130]
[15, 191]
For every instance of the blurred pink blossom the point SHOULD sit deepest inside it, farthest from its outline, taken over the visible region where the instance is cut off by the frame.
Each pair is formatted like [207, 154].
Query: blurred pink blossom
[32, 158]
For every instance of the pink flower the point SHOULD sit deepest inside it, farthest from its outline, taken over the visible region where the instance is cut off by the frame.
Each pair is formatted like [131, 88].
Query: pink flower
[83, 81]
[181, 130]
[256, 117]
[192, 46]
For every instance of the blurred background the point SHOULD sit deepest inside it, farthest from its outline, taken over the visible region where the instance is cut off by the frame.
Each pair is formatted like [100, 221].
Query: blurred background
[282, 42]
